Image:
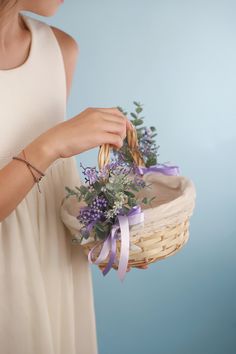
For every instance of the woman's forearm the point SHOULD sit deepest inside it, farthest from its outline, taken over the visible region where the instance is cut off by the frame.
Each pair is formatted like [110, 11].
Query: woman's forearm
[16, 179]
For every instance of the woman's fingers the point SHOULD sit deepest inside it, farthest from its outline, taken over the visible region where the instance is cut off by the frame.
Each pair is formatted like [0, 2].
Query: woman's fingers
[115, 128]
[113, 139]
[116, 115]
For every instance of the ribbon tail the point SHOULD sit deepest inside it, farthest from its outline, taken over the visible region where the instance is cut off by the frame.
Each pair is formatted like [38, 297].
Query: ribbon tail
[124, 250]
[109, 245]
[113, 251]
[103, 253]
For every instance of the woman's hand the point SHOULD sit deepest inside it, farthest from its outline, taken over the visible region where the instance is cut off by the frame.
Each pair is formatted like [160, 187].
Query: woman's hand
[91, 128]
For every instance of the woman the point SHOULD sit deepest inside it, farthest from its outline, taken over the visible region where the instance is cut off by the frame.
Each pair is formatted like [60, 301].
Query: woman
[46, 295]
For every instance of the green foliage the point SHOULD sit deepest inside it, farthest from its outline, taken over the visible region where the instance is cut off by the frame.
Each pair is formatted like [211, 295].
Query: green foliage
[146, 139]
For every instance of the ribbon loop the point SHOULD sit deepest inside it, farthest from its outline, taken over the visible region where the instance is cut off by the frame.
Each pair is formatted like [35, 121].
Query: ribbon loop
[134, 216]
[167, 170]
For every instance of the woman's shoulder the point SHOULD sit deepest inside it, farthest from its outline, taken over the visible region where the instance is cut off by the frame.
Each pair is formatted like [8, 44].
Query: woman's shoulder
[66, 40]
[70, 50]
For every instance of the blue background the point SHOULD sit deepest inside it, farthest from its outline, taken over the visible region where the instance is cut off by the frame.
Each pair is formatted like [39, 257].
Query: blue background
[178, 58]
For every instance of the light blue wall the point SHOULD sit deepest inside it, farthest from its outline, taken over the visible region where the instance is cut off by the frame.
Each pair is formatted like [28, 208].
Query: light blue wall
[179, 59]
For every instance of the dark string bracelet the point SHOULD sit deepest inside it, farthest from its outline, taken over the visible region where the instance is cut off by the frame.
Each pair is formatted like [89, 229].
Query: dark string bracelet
[37, 180]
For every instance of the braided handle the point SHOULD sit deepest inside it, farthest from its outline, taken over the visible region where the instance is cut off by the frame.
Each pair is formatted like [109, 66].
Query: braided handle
[132, 139]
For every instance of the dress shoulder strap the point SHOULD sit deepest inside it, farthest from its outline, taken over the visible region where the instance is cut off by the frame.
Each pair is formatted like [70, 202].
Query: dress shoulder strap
[46, 56]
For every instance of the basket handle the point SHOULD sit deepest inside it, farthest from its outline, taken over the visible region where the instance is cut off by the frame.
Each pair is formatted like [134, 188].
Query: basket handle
[132, 139]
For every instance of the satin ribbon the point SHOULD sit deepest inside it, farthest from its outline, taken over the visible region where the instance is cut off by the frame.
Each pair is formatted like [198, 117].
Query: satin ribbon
[135, 216]
[167, 170]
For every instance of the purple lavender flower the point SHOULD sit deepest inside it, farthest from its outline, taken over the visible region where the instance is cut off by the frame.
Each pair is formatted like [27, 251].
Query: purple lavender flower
[121, 157]
[103, 173]
[139, 182]
[108, 168]
[94, 212]
[91, 174]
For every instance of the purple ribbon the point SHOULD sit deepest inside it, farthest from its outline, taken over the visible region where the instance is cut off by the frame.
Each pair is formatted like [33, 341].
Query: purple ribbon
[167, 170]
[134, 216]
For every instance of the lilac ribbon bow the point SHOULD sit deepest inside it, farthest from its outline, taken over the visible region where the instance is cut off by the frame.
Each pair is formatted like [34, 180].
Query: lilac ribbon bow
[167, 170]
[135, 216]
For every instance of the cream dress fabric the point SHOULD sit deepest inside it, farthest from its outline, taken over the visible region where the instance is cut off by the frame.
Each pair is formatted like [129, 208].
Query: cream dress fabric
[46, 294]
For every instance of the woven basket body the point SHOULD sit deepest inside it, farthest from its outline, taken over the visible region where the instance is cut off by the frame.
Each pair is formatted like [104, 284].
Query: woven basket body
[165, 229]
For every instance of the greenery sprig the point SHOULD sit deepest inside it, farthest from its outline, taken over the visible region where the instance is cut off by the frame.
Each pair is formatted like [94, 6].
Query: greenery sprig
[146, 139]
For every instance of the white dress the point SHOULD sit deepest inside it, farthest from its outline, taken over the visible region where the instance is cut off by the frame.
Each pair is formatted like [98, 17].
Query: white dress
[46, 293]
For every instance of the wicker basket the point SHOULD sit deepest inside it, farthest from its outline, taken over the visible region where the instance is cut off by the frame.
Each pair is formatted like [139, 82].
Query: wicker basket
[165, 229]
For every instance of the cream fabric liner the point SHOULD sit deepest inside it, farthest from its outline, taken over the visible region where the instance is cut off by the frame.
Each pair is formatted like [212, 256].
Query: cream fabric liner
[175, 200]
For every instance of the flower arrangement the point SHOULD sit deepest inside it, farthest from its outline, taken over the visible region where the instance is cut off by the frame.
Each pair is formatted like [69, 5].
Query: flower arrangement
[107, 193]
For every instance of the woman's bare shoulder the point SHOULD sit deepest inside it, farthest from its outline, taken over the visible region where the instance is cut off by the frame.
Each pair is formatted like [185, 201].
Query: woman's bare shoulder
[70, 50]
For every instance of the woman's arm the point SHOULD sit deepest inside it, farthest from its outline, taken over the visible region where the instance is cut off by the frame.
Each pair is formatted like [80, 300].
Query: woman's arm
[15, 178]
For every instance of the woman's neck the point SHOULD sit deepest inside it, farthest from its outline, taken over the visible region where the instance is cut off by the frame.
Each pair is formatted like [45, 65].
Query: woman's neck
[11, 28]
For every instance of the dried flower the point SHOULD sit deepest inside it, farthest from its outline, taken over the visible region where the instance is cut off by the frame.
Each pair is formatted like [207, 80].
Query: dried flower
[90, 174]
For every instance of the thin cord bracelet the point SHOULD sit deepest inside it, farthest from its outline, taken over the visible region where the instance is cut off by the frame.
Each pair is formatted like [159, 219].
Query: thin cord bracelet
[37, 180]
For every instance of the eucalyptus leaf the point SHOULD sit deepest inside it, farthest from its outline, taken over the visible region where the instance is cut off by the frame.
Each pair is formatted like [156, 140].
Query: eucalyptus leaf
[97, 186]
[145, 200]
[83, 189]
[138, 122]
[130, 194]
[138, 109]
[133, 115]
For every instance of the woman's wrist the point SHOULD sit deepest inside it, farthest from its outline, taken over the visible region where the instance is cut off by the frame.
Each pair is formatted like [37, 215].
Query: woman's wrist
[40, 154]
